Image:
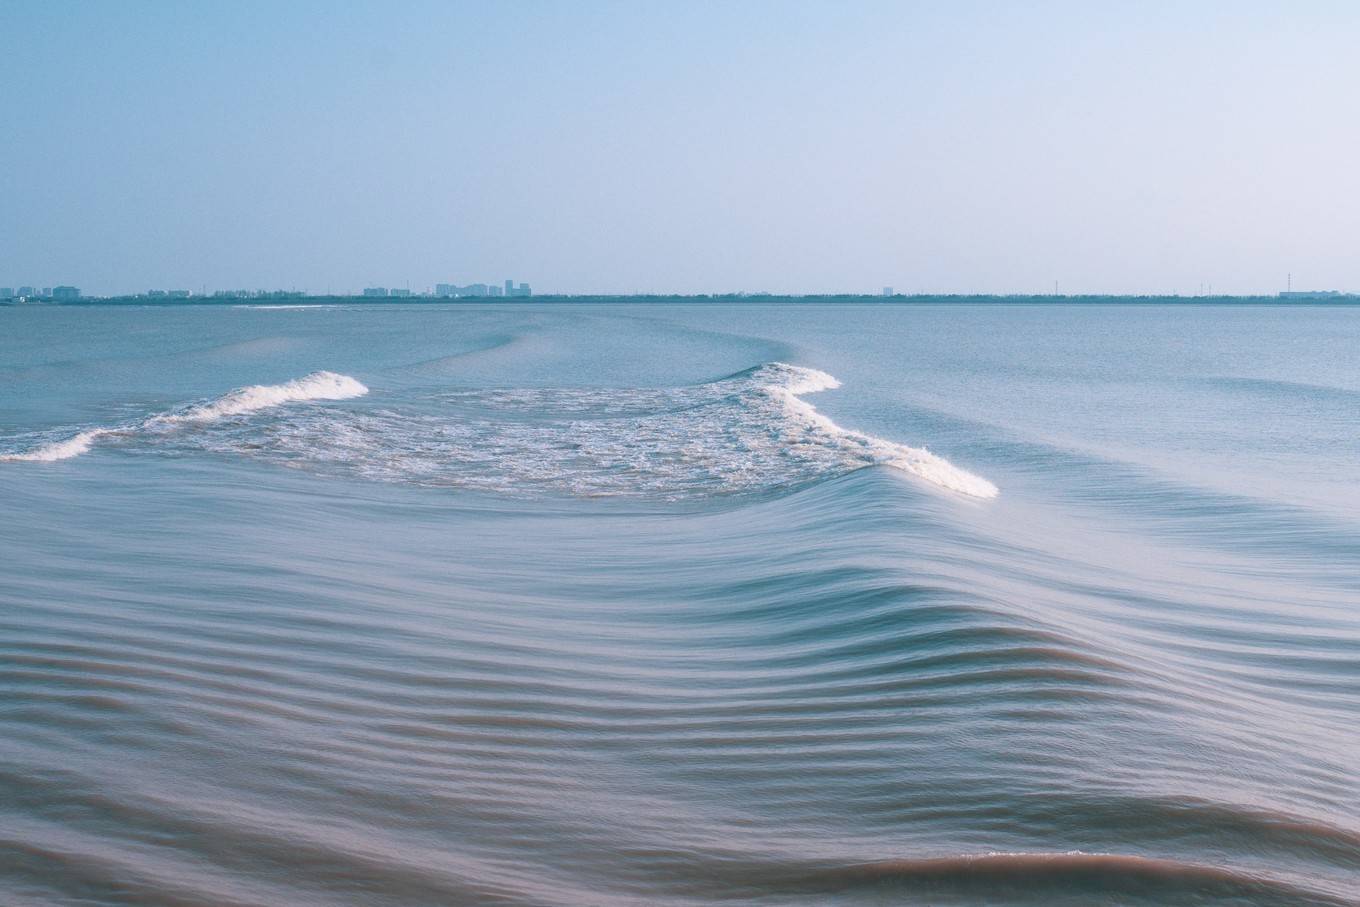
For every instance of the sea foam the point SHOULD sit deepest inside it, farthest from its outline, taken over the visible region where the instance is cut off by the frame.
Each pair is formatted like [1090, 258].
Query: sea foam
[316, 386]
[794, 381]
[747, 433]
[59, 450]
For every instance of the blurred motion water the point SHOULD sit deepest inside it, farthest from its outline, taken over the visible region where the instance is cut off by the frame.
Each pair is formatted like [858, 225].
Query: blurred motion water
[639, 604]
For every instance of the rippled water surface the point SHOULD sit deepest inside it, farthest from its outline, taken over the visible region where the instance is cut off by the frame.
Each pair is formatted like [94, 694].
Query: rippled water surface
[638, 604]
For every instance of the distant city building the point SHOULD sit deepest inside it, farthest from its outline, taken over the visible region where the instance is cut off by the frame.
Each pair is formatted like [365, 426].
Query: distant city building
[887, 291]
[1312, 294]
[449, 290]
[6, 292]
[398, 292]
[25, 291]
[65, 293]
[178, 294]
[155, 294]
[375, 291]
[46, 292]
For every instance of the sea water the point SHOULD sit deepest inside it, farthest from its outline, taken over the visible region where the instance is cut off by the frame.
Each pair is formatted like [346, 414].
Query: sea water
[686, 604]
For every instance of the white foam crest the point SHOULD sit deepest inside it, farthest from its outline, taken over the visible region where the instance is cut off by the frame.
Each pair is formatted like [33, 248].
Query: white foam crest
[316, 386]
[914, 460]
[796, 379]
[59, 450]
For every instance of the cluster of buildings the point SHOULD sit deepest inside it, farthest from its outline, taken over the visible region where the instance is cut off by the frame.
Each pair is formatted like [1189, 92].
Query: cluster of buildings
[443, 290]
[1314, 294]
[40, 293]
[255, 294]
[221, 294]
[480, 289]
[452, 290]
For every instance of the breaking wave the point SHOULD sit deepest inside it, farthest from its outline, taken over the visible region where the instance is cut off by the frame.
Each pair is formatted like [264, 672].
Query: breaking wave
[60, 450]
[748, 432]
[316, 386]
[858, 446]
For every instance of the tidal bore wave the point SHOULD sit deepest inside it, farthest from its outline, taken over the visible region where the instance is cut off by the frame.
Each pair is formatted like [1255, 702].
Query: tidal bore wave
[748, 432]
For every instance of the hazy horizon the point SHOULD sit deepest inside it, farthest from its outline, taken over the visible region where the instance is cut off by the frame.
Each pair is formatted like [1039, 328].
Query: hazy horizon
[615, 148]
[261, 295]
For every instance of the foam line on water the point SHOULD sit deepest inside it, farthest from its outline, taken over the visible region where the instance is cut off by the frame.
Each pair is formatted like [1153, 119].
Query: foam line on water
[316, 386]
[60, 450]
[320, 385]
[914, 460]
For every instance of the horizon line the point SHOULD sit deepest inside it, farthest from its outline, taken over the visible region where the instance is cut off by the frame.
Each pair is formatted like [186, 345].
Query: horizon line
[228, 297]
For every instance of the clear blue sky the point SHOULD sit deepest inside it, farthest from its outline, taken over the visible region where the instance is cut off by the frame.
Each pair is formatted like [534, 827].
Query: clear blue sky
[685, 146]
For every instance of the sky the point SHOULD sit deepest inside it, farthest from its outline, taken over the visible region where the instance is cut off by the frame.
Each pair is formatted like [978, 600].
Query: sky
[690, 147]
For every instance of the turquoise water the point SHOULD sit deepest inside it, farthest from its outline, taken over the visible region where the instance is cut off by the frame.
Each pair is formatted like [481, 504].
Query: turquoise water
[638, 604]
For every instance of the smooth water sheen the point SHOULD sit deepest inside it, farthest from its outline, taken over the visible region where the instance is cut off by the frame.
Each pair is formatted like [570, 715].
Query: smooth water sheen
[668, 605]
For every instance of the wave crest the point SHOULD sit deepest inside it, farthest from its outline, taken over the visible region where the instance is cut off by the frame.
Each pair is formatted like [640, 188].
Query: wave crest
[316, 386]
[321, 385]
[59, 450]
[748, 432]
[793, 381]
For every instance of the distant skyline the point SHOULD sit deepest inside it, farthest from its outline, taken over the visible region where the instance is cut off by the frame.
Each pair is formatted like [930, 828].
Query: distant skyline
[783, 147]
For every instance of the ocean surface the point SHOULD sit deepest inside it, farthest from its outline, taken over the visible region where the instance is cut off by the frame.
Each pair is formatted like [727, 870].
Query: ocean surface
[543, 604]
